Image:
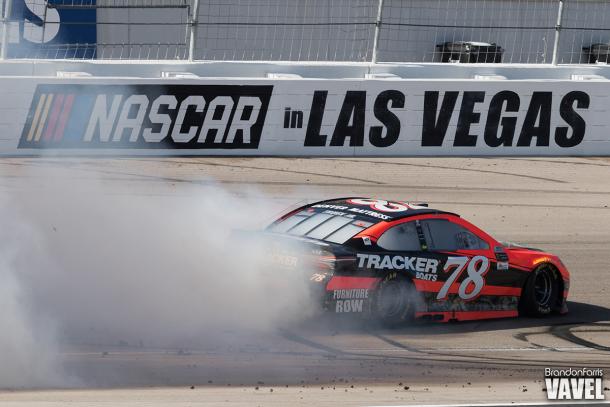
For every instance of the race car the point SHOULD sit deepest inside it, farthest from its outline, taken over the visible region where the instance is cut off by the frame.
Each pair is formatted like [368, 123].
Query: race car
[397, 261]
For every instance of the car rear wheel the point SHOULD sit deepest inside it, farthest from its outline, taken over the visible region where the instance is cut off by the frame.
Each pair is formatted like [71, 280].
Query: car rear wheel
[541, 292]
[395, 300]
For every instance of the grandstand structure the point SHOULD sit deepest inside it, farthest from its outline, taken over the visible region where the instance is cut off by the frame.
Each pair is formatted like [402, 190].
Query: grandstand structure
[365, 31]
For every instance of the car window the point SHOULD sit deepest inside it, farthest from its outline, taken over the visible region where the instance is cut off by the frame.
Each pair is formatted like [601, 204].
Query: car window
[401, 237]
[344, 234]
[328, 227]
[323, 226]
[309, 224]
[288, 223]
[442, 234]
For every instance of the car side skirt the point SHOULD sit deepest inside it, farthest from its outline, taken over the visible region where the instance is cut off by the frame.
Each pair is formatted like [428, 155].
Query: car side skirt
[449, 316]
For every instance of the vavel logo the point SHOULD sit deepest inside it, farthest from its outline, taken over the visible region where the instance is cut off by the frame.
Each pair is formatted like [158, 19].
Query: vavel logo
[574, 384]
[146, 117]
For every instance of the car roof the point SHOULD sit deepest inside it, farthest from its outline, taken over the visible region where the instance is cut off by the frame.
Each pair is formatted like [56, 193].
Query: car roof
[412, 209]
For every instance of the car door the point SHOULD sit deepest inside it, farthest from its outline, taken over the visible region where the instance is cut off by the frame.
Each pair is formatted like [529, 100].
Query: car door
[404, 251]
[468, 258]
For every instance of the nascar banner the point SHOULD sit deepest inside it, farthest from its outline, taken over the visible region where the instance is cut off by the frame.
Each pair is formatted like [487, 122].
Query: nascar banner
[316, 117]
[146, 117]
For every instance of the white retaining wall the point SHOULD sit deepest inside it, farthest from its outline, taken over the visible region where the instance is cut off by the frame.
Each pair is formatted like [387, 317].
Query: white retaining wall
[303, 116]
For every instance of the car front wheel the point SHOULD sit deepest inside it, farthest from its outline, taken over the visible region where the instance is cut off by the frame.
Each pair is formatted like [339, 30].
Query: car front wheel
[541, 292]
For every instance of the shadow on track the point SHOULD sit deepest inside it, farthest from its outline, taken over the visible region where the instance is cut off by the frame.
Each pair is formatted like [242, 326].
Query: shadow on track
[579, 314]
[582, 319]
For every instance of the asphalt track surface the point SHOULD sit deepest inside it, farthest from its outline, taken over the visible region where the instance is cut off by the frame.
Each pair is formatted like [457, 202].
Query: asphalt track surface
[559, 204]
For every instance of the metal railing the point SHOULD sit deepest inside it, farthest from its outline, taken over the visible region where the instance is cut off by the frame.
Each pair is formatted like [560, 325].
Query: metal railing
[528, 31]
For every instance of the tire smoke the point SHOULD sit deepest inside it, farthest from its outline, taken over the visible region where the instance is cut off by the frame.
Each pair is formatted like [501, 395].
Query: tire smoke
[83, 264]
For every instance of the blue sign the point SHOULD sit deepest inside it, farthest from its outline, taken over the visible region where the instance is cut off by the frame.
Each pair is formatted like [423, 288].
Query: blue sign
[55, 29]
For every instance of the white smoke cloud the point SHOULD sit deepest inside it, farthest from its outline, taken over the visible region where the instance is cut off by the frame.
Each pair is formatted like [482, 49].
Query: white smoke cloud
[28, 350]
[149, 270]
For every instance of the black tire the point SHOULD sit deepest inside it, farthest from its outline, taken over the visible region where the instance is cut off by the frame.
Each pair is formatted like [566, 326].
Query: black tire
[395, 300]
[540, 294]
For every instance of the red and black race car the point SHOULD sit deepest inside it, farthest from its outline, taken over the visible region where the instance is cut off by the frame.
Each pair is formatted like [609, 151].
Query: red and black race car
[397, 261]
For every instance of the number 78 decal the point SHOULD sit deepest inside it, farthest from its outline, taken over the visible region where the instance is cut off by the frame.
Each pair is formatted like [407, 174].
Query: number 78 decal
[476, 268]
